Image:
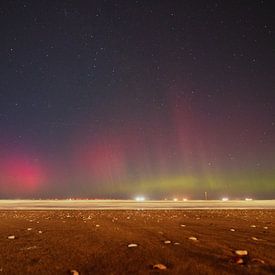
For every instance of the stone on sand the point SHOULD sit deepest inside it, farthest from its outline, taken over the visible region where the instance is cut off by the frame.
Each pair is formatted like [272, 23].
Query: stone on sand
[241, 252]
[159, 266]
[132, 245]
[256, 260]
[74, 272]
[239, 260]
[193, 238]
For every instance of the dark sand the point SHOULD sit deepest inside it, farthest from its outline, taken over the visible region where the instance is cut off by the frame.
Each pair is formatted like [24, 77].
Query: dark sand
[96, 241]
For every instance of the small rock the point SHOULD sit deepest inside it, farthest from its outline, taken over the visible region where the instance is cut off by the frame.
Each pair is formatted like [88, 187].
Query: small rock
[255, 239]
[97, 225]
[40, 232]
[193, 238]
[29, 229]
[176, 243]
[183, 225]
[232, 229]
[12, 237]
[239, 260]
[241, 252]
[253, 225]
[167, 242]
[255, 260]
[29, 248]
[132, 245]
[74, 272]
[265, 227]
[159, 266]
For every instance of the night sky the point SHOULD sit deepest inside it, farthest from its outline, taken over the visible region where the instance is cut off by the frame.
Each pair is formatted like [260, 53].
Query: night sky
[112, 99]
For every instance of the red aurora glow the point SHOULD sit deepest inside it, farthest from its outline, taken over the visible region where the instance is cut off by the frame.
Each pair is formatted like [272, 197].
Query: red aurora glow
[20, 174]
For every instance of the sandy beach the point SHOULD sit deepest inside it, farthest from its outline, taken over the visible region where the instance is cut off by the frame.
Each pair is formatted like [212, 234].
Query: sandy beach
[97, 241]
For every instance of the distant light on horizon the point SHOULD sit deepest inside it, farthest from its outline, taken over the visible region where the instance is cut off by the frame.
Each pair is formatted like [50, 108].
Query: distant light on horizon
[225, 199]
[248, 199]
[140, 198]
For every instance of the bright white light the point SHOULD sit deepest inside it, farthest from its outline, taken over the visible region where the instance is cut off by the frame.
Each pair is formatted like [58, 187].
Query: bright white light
[175, 199]
[184, 199]
[140, 198]
[248, 199]
[224, 199]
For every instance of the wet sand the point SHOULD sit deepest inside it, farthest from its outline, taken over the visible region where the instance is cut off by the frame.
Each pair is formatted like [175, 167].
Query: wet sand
[96, 241]
[132, 204]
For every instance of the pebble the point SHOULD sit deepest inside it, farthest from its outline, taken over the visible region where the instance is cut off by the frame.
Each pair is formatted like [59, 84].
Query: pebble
[74, 272]
[12, 237]
[159, 266]
[255, 260]
[29, 248]
[239, 260]
[183, 225]
[255, 239]
[241, 252]
[253, 225]
[132, 245]
[193, 238]
[97, 225]
[40, 232]
[176, 243]
[265, 227]
[167, 242]
[29, 229]
[232, 229]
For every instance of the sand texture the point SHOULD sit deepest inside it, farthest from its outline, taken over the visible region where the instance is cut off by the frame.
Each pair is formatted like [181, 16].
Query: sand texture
[137, 242]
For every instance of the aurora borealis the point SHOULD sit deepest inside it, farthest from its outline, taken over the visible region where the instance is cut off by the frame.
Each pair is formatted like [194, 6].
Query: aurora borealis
[110, 99]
